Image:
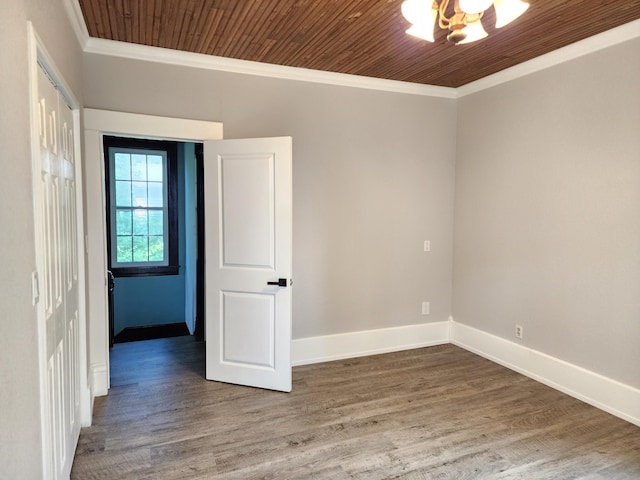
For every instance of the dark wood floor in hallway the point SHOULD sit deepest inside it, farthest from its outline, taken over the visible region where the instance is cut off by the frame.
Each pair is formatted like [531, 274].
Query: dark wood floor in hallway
[430, 413]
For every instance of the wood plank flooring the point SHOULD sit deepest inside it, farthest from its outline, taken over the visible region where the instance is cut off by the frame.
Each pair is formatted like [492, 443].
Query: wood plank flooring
[431, 413]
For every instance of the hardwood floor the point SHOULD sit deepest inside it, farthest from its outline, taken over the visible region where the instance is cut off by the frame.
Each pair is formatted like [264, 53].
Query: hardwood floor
[431, 413]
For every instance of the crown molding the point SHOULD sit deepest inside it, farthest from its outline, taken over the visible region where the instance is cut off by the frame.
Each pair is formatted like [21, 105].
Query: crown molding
[209, 62]
[621, 34]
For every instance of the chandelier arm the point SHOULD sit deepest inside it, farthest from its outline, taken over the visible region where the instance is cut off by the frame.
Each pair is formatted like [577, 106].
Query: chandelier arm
[479, 15]
[443, 21]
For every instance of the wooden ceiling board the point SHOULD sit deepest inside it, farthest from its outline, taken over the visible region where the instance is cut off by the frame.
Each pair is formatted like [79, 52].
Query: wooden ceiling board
[358, 37]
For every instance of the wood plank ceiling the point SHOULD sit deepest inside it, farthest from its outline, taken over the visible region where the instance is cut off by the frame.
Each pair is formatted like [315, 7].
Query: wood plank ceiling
[359, 37]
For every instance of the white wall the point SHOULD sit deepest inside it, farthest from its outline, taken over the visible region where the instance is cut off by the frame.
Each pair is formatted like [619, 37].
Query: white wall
[373, 178]
[547, 218]
[20, 441]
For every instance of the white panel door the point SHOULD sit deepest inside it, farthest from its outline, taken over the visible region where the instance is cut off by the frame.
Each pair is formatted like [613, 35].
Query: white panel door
[248, 240]
[69, 275]
[56, 226]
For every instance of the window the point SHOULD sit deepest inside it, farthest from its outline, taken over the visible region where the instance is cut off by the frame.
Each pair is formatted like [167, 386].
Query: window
[142, 218]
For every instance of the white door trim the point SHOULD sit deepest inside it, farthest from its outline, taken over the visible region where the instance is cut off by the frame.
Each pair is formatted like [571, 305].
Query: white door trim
[38, 54]
[96, 124]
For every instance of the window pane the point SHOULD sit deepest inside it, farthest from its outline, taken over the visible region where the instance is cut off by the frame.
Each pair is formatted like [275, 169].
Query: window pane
[138, 167]
[124, 249]
[156, 222]
[155, 170]
[140, 223]
[123, 222]
[123, 166]
[140, 249]
[123, 193]
[156, 249]
[141, 210]
[139, 190]
[155, 194]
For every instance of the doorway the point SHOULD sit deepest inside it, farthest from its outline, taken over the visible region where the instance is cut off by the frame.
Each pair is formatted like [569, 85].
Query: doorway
[98, 123]
[101, 122]
[154, 235]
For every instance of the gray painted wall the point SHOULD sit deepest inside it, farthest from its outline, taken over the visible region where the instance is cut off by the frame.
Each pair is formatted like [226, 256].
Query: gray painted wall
[372, 178]
[20, 445]
[547, 222]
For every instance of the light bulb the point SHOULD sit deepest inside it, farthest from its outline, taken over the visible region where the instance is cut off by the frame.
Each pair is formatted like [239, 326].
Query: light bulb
[423, 17]
[508, 10]
[417, 12]
[420, 32]
[474, 6]
[474, 31]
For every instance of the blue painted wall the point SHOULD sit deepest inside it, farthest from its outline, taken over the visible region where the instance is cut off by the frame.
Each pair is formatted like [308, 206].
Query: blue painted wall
[140, 301]
[191, 234]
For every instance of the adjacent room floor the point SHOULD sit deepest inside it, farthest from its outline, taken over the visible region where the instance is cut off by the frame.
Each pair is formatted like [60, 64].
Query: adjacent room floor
[430, 413]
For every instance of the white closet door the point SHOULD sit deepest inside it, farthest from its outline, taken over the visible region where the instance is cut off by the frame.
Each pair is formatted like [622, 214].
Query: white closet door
[56, 242]
[69, 254]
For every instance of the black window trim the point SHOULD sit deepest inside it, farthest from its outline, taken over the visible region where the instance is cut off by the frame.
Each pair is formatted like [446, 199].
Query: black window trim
[173, 268]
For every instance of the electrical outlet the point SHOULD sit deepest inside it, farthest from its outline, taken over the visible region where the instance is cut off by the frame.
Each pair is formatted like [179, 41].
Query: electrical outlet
[425, 308]
[427, 246]
[519, 331]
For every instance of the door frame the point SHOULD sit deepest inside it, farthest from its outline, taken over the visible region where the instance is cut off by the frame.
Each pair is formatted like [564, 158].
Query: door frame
[98, 123]
[199, 328]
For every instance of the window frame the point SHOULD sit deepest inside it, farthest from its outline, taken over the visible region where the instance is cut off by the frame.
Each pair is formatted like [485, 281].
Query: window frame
[171, 149]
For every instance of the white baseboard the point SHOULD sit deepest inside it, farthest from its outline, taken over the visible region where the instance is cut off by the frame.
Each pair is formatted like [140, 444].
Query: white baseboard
[604, 393]
[370, 342]
[99, 380]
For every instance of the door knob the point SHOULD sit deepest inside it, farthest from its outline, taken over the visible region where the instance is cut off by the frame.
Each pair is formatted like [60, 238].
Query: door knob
[282, 282]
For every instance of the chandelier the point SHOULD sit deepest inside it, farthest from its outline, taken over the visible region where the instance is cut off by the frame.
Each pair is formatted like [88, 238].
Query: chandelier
[464, 25]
